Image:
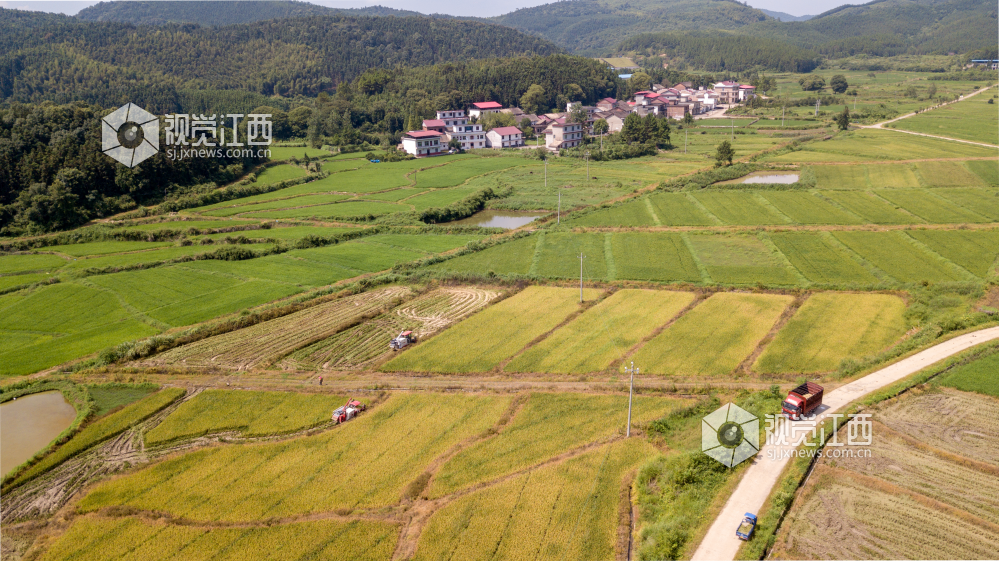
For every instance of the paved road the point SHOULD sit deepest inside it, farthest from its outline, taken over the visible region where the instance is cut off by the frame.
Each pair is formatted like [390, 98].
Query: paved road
[720, 542]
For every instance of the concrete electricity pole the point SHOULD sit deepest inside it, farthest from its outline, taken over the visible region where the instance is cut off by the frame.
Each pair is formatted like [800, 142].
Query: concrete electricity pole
[558, 219]
[631, 391]
[581, 257]
[586, 156]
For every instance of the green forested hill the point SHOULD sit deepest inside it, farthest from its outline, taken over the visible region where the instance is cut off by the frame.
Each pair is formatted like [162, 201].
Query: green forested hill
[215, 13]
[53, 57]
[596, 26]
[720, 52]
[892, 27]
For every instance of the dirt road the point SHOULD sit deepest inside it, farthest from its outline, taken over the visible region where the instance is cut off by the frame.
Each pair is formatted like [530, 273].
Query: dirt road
[882, 124]
[720, 542]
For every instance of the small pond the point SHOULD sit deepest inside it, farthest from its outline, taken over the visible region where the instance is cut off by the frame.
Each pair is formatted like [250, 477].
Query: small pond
[508, 219]
[28, 424]
[768, 177]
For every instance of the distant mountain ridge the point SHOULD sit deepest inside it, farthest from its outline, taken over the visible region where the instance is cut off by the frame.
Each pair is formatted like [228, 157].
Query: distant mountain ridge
[215, 12]
[781, 16]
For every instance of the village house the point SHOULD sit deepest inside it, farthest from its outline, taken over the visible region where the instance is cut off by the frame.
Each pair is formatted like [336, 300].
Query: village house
[423, 143]
[505, 137]
[454, 125]
[563, 135]
[481, 108]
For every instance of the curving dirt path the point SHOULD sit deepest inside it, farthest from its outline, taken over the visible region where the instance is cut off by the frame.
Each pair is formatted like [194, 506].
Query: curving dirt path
[720, 542]
[882, 124]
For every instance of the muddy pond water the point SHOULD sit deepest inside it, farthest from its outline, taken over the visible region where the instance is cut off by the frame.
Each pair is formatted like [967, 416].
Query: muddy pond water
[508, 219]
[28, 424]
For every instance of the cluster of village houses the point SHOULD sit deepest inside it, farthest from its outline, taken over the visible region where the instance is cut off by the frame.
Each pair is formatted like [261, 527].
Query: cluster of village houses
[556, 128]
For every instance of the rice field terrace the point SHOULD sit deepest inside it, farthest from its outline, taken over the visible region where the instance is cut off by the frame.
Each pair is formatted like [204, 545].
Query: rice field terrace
[668, 333]
[362, 344]
[927, 487]
[459, 466]
[860, 259]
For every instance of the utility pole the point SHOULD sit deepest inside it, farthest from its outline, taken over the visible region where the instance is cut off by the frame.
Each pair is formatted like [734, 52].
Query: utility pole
[546, 172]
[586, 156]
[581, 257]
[559, 215]
[817, 101]
[631, 391]
[782, 116]
[685, 140]
[733, 128]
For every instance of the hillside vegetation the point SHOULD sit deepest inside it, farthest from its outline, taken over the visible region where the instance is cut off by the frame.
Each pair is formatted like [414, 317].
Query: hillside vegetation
[716, 52]
[219, 13]
[53, 57]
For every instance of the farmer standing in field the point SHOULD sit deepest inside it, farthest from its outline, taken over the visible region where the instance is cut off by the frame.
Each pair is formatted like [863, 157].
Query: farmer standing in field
[320, 380]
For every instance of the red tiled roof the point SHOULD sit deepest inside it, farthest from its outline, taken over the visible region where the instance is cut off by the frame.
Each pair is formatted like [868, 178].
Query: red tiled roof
[433, 123]
[506, 131]
[645, 93]
[609, 100]
[422, 134]
[745, 87]
[487, 105]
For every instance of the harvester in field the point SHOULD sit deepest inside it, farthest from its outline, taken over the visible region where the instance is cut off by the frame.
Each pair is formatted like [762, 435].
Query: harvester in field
[403, 340]
[348, 411]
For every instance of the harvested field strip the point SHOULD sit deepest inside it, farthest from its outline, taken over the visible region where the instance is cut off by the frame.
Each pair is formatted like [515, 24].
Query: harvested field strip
[714, 337]
[736, 207]
[842, 518]
[367, 462]
[273, 339]
[954, 421]
[563, 511]
[871, 208]
[653, 256]
[548, 425]
[830, 328]
[975, 250]
[102, 430]
[602, 334]
[890, 252]
[820, 260]
[98, 539]
[897, 461]
[930, 207]
[250, 413]
[483, 341]
[808, 208]
[982, 201]
[361, 344]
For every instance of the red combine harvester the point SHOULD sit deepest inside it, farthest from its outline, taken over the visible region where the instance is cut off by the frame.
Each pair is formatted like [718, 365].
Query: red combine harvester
[348, 411]
[802, 401]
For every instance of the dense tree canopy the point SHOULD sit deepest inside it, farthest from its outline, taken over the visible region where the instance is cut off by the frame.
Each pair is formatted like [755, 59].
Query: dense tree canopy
[717, 52]
[53, 57]
[55, 176]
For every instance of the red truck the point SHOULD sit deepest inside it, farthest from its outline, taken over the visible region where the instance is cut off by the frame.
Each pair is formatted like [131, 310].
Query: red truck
[802, 401]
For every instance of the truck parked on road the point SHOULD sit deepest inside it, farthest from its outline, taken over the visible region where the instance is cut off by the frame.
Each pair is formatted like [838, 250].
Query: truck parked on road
[802, 401]
[745, 530]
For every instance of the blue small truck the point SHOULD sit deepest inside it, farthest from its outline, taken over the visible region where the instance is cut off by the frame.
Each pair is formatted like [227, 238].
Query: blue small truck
[745, 530]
